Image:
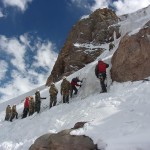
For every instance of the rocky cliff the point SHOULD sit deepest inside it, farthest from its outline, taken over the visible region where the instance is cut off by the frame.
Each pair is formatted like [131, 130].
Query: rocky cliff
[95, 30]
[131, 61]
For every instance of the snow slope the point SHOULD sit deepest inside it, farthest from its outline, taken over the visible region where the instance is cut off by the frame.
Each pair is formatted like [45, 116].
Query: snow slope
[117, 120]
[134, 21]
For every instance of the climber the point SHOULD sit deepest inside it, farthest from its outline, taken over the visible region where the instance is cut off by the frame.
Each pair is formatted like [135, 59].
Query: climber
[8, 113]
[38, 101]
[13, 113]
[111, 46]
[74, 83]
[65, 89]
[53, 95]
[100, 72]
[26, 108]
[31, 105]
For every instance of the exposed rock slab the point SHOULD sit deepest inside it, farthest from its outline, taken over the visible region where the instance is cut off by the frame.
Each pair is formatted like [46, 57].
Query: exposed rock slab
[64, 141]
[131, 61]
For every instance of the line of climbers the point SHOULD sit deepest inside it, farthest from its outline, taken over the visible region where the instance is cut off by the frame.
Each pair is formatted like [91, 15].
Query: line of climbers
[31, 105]
[67, 90]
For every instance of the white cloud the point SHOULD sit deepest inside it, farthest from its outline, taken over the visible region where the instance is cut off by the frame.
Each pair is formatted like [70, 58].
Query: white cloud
[1, 14]
[122, 6]
[26, 78]
[100, 4]
[81, 3]
[25, 39]
[21, 4]
[3, 70]
[16, 87]
[84, 17]
[129, 6]
[45, 55]
[16, 49]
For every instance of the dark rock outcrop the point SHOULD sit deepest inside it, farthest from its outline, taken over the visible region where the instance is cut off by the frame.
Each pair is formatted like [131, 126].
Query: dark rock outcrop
[63, 141]
[131, 61]
[79, 125]
[97, 29]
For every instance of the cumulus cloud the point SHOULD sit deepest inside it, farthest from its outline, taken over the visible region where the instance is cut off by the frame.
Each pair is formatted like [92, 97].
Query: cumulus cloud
[129, 6]
[1, 14]
[15, 49]
[3, 70]
[100, 4]
[20, 4]
[81, 4]
[122, 6]
[85, 4]
[27, 55]
[16, 87]
[45, 55]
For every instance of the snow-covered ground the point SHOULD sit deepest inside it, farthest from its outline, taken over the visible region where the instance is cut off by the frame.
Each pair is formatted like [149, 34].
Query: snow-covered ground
[117, 120]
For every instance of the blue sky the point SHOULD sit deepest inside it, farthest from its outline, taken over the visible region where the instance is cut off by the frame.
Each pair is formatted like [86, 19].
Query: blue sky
[32, 33]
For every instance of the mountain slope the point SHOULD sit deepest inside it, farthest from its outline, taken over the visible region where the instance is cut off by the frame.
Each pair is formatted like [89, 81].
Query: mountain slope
[95, 30]
[123, 112]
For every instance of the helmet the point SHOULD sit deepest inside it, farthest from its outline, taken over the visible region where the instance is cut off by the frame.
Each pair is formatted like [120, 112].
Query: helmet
[64, 77]
[52, 83]
[37, 90]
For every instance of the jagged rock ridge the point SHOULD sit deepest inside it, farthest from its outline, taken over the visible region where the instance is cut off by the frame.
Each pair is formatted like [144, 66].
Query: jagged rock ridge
[97, 29]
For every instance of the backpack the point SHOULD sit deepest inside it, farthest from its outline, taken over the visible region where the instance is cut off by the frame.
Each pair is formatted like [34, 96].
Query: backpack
[101, 67]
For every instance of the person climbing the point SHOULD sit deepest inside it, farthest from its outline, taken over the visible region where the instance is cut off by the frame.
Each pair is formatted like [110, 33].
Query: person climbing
[31, 105]
[13, 113]
[8, 113]
[38, 101]
[100, 72]
[65, 89]
[111, 46]
[26, 108]
[53, 95]
[74, 83]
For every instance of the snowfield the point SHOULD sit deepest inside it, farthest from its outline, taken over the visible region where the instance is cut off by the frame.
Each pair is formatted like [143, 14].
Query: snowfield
[117, 120]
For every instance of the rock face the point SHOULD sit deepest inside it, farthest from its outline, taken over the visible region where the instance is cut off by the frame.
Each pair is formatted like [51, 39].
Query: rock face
[131, 61]
[97, 29]
[63, 141]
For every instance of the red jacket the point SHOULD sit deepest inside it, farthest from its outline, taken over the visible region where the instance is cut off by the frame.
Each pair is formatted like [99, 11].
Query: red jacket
[75, 82]
[102, 67]
[26, 103]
